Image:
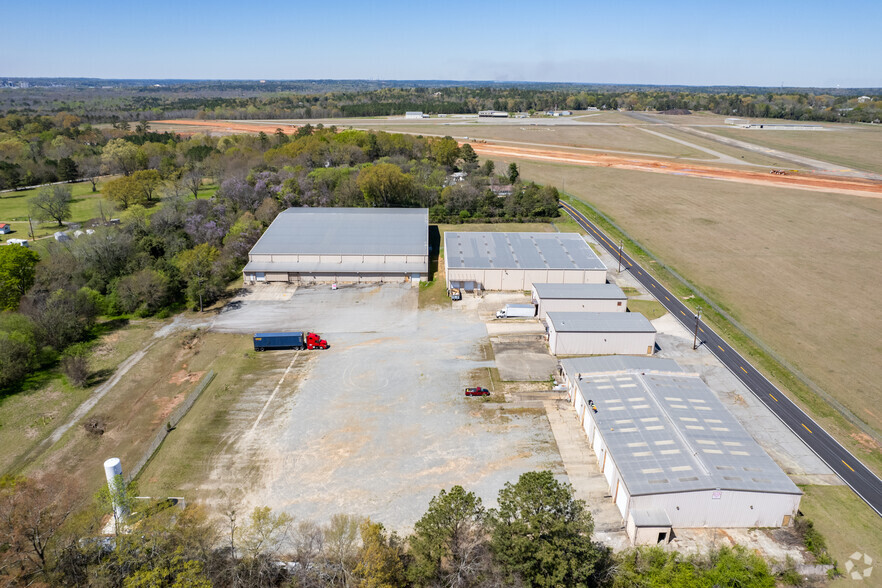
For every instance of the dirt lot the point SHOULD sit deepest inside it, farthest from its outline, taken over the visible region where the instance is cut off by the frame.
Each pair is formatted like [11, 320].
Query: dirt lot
[376, 425]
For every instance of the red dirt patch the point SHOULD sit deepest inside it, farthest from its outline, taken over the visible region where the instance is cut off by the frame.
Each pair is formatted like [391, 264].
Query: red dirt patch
[184, 375]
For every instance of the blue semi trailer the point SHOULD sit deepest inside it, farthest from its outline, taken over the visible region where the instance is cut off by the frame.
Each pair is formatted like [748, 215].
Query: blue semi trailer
[294, 340]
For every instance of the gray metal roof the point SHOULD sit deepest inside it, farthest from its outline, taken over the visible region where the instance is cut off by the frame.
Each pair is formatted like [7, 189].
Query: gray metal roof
[519, 251]
[617, 363]
[335, 231]
[600, 322]
[313, 267]
[670, 433]
[579, 291]
[650, 518]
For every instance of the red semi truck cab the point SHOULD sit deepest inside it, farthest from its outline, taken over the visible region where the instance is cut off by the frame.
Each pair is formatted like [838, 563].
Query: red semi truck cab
[314, 341]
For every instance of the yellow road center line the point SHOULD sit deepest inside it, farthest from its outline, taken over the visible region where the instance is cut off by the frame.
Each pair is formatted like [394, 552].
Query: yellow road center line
[846, 465]
[806, 428]
[742, 369]
[700, 329]
[721, 349]
[776, 400]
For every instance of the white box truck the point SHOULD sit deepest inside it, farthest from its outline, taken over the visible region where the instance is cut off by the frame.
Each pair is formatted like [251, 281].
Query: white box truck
[516, 311]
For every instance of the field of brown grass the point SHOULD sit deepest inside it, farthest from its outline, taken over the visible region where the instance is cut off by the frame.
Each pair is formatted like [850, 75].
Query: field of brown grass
[792, 266]
[859, 147]
[615, 138]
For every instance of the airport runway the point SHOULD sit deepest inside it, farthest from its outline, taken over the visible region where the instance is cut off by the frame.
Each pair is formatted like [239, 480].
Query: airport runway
[854, 473]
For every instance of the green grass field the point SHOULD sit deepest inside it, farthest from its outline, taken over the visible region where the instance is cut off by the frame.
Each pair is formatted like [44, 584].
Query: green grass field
[86, 206]
[847, 524]
[651, 309]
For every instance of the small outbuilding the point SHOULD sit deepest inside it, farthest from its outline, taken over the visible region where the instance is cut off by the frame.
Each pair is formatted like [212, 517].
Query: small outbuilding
[599, 333]
[515, 261]
[672, 454]
[342, 245]
[5, 228]
[578, 298]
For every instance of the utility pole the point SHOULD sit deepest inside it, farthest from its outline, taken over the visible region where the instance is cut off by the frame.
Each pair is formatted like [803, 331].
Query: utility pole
[31, 227]
[697, 320]
[621, 246]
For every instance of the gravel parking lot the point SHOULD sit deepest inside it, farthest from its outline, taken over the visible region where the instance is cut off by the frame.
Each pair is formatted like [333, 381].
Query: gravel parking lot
[378, 424]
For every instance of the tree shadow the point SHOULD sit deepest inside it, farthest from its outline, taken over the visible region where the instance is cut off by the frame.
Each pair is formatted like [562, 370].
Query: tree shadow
[107, 327]
[99, 377]
[434, 250]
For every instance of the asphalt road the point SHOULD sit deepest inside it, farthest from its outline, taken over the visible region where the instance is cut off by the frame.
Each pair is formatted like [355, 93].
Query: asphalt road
[858, 477]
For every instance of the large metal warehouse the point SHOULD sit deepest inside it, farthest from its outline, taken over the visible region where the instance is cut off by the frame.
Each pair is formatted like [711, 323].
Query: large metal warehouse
[600, 333]
[578, 298]
[672, 454]
[342, 245]
[514, 261]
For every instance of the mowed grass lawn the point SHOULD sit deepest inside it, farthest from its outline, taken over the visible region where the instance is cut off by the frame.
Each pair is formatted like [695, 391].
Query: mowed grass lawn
[798, 268]
[859, 147]
[85, 206]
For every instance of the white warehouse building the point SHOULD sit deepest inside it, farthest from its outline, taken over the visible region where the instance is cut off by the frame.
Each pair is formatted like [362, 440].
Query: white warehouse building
[578, 298]
[672, 454]
[515, 261]
[342, 245]
[600, 333]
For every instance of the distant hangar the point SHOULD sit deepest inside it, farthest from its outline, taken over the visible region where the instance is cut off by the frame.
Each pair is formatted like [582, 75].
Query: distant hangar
[672, 454]
[342, 245]
[514, 261]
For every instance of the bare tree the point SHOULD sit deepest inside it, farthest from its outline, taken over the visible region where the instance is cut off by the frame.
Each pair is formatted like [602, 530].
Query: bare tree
[90, 169]
[51, 203]
[193, 180]
[32, 513]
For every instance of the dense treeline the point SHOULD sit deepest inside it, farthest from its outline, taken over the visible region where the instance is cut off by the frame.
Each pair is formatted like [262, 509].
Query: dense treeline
[539, 535]
[171, 248]
[216, 100]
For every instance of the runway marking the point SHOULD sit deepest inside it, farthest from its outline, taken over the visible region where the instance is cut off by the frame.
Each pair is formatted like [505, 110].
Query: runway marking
[806, 428]
[742, 369]
[846, 465]
[721, 349]
[776, 400]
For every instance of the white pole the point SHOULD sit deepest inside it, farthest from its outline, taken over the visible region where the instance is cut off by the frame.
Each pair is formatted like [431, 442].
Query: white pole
[113, 472]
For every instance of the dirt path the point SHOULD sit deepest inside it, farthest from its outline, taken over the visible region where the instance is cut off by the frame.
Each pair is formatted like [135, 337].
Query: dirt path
[83, 409]
[817, 183]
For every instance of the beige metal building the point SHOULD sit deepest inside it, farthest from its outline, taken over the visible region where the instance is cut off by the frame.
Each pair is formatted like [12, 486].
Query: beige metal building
[342, 245]
[578, 298]
[672, 455]
[600, 333]
[515, 261]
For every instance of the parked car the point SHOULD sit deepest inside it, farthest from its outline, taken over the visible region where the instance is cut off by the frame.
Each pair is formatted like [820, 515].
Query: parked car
[477, 391]
[455, 294]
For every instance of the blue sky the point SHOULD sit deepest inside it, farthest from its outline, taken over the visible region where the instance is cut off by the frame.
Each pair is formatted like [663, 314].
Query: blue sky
[771, 43]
